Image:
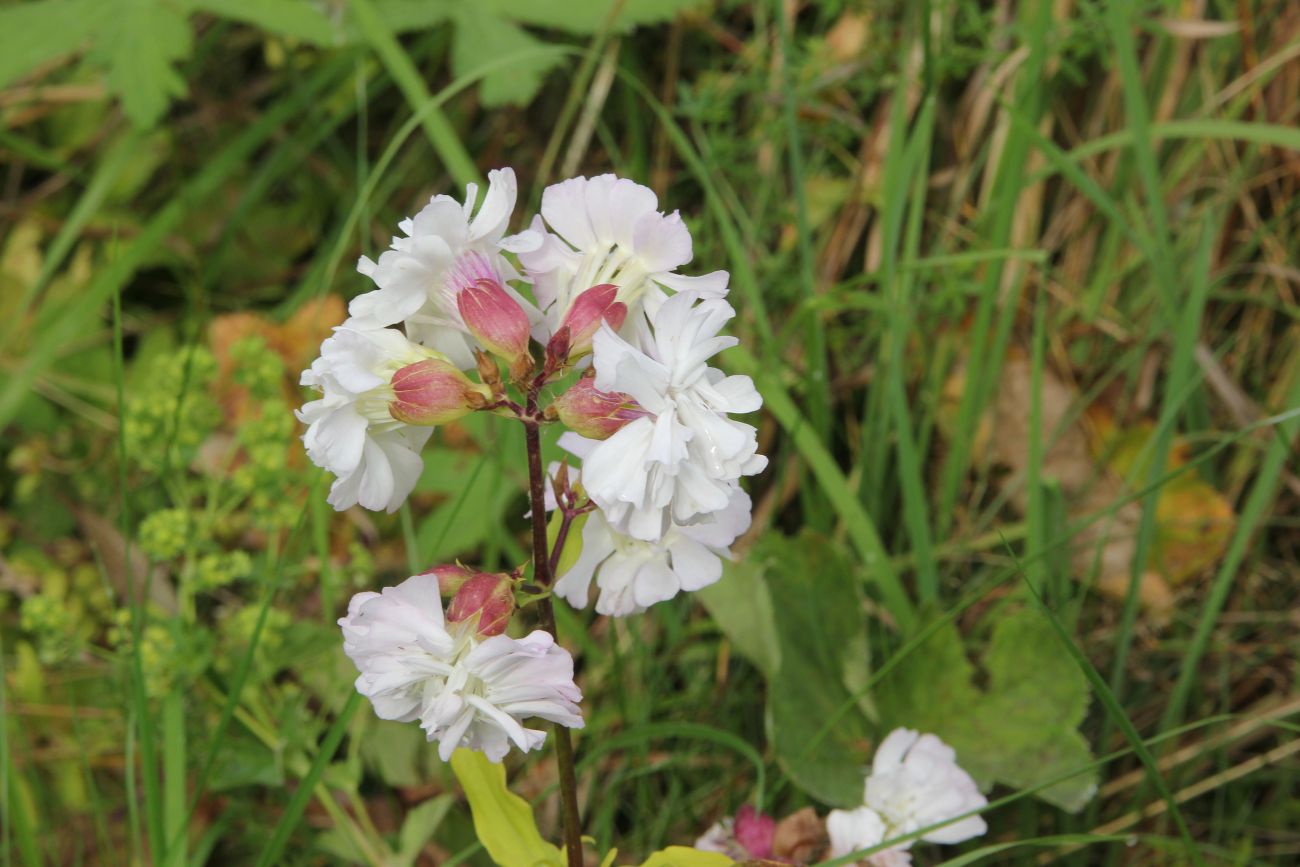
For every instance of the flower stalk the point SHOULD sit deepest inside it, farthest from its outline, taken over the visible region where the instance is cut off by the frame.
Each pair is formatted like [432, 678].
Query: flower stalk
[546, 615]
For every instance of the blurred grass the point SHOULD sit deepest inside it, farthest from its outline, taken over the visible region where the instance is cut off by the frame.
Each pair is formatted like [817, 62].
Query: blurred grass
[907, 196]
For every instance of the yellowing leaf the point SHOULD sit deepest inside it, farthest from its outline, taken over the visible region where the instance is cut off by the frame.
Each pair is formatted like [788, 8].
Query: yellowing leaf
[503, 821]
[683, 856]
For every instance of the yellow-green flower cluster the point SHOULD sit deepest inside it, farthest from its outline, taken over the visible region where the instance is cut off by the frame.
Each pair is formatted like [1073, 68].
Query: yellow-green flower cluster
[52, 626]
[257, 367]
[171, 409]
[167, 533]
[237, 633]
[212, 571]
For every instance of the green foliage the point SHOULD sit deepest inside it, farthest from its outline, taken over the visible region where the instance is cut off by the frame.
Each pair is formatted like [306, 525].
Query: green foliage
[818, 729]
[1022, 729]
[137, 44]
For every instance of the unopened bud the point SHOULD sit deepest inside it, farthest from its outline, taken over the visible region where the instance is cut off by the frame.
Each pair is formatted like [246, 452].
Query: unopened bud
[451, 577]
[594, 306]
[498, 322]
[557, 349]
[487, 596]
[434, 392]
[593, 413]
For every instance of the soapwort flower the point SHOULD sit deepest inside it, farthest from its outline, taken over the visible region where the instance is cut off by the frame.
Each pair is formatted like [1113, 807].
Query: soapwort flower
[679, 461]
[420, 275]
[464, 690]
[607, 230]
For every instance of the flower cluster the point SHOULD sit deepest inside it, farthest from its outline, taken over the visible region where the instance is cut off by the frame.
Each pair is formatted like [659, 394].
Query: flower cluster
[582, 319]
[914, 784]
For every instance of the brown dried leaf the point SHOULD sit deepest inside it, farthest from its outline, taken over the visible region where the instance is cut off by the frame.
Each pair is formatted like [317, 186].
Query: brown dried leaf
[800, 837]
[847, 36]
[127, 574]
[1089, 457]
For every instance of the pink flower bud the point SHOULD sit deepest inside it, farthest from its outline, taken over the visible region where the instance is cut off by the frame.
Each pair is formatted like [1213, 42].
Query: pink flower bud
[593, 413]
[498, 322]
[487, 596]
[433, 392]
[592, 307]
[755, 831]
[451, 577]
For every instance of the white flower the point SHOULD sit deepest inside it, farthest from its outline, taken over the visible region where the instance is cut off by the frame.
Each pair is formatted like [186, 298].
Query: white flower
[350, 431]
[679, 461]
[854, 830]
[464, 692]
[915, 782]
[607, 230]
[446, 241]
[633, 574]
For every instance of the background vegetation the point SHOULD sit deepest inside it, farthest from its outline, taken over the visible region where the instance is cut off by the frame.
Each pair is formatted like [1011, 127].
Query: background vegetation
[1016, 279]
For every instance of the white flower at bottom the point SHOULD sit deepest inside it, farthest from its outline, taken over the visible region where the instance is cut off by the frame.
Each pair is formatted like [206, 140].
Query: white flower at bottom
[854, 830]
[464, 692]
[915, 782]
[633, 574]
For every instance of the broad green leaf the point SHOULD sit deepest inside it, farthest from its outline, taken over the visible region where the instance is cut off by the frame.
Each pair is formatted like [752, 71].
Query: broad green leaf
[298, 19]
[503, 820]
[684, 856]
[395, 751]
[33, 33]
[820, 734]
[419, 826]
[138, 44]
[481, 37]
[586, 16]
[742, 607]
[1022, 729]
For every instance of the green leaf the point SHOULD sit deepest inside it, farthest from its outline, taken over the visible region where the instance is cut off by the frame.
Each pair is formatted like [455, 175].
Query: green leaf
[138, 44]
[503, 820]
[481, 37]
[34, 33]
[742, 607]
[297, 19]
[684, 856]
[820, 734]
[419, 826]
[586, 16]
[1021, 730]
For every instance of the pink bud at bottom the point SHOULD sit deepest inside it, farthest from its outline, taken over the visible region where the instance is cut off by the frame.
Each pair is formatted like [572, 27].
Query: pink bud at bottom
[588, 311]
[593, 413]
[488, 596]
[433, 392]
[754, 831]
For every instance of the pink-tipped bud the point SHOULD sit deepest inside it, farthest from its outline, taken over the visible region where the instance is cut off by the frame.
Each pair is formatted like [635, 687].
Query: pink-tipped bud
[451, 577]
[434, 392]
[498, 322]
[592, 307]
[489, 596]
[755, 832]
[593, 413]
